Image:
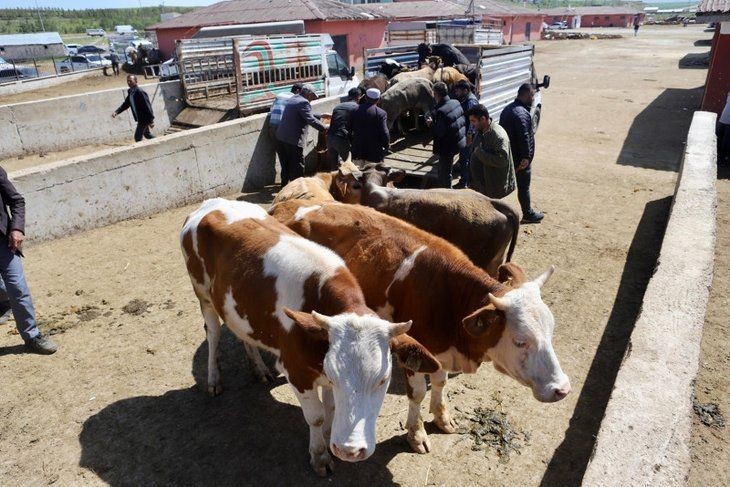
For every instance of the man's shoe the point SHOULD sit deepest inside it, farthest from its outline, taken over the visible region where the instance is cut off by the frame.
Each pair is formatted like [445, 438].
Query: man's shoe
[533, 217]
[5, 313]
[42, 345]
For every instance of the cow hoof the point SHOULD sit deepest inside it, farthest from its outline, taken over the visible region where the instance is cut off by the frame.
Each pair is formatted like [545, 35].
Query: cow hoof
[419, 442]
[446, 424]
[215, 390]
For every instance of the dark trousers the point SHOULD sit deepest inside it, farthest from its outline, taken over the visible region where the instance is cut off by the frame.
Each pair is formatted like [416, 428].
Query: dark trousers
[338, 150]
[115, 68]
[464, 160]
[723, 143]
[523, 189]
[445, 165]
[143, 130]
[292, 162]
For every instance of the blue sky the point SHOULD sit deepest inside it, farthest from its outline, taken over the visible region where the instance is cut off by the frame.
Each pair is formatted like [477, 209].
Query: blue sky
[80, 4]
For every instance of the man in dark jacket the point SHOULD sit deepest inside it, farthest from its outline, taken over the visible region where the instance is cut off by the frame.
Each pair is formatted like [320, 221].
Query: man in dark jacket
[463, 93]
[517, 122]
[449, 131]
[292, 132]
[338, 135]
[139, 102]
[14, 292]
[369, 129]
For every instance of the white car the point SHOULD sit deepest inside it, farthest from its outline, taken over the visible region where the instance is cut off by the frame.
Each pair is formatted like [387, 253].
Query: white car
[79, 63]
[72, 48]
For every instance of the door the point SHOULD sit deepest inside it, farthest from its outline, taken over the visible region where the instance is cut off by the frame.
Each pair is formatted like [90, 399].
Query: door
[340, 46]
[528, 28]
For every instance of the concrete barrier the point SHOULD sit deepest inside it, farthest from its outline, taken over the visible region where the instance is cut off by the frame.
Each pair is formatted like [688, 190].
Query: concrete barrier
[151, 176]
[645, 434]
[21, 86]
[70, 121]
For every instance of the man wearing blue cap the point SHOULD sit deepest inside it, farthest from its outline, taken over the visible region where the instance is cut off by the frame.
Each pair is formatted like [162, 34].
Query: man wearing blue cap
[369, 129]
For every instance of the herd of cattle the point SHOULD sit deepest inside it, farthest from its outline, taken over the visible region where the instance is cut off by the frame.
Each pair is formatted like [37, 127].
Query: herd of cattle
[344, 269]
[411, 90]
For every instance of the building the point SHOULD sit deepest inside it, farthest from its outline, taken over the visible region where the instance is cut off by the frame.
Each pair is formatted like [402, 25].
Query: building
[718, 75]
[622, 16]
[352, 28]
[18, 47]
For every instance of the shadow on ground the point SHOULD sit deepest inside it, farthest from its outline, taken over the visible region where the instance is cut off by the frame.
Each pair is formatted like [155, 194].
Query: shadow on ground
[695, 60]
[571, 458]
[703, 43]
[243, 437]
[657, 135]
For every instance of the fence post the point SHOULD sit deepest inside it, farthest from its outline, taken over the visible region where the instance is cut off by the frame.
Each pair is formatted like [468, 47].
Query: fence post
[55, 68]
[35, 64]
[15, 70]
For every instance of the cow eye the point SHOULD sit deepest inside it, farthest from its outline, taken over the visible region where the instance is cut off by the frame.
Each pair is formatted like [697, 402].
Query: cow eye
[382, 382]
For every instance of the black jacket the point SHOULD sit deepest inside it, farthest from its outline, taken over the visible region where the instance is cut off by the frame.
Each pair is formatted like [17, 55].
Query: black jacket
[341, 115]
[11, 199]
[296, 118]
[139, 102]
[517, 122]
[369, 132]
[449, 127]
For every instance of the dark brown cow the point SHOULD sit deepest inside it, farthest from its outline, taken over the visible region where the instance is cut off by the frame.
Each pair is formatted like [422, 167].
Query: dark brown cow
[265, 282]
[459, 313]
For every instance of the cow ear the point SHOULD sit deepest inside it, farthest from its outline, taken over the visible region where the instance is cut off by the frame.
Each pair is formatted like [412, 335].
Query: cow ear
[412, 355]
[309, 322]
[396, 175]
[511, 274]
[478, 323]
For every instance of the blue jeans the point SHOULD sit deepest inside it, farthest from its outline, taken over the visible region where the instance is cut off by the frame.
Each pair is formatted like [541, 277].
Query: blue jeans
[464, 160]
[14, 291]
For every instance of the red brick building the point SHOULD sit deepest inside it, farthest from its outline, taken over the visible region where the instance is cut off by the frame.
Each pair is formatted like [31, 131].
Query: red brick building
[593, 16]
[718, 76]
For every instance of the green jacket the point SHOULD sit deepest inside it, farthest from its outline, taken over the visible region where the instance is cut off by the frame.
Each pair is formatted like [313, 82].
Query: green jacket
[492, 170]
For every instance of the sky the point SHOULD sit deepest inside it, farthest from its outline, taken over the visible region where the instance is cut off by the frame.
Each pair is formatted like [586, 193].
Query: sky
[82, 4]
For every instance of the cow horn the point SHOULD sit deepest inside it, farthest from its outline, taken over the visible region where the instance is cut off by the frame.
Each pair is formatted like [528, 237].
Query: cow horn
[499, 303]
[543, 278]
[321, 320]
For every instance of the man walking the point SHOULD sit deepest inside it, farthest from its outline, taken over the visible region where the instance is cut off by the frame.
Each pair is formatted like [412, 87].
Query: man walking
[369, 130]
[492, 169]
[517, 122]
[449, 131]
[139, 102]
[338, 135]
[292, 132]
[14, 292]
[463, 93]
[114, 58]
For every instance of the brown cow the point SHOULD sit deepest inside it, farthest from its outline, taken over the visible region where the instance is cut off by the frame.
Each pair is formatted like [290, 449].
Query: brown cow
[324, 186]
[462, 316]
[425, 72]
[450, 76]
[265, 282]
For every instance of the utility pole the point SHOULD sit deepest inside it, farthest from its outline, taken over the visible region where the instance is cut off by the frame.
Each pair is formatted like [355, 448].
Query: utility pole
[40, 17]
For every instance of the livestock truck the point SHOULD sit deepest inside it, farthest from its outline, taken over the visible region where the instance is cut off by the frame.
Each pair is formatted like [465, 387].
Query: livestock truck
[241, 75]
[501, 71]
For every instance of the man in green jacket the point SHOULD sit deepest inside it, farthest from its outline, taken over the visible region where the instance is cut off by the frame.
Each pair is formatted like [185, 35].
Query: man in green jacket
[492, 170]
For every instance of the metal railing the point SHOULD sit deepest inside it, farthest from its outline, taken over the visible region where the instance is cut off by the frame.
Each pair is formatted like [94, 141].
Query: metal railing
[25, 70]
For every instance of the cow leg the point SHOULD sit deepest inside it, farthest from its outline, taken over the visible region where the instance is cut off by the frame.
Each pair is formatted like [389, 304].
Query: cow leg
[314, 414]
[213, 337]
[328, 399]
[438, 408]
[260, 369]
[416, 435]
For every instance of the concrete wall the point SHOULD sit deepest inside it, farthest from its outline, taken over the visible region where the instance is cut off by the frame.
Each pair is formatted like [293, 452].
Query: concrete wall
[149, 177]
[645, 434]
[36, 83]
[69, 121]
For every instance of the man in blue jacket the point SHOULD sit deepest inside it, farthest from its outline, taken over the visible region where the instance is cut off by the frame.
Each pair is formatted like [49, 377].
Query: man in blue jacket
[517, 122]
[292, 132]
[449, 131]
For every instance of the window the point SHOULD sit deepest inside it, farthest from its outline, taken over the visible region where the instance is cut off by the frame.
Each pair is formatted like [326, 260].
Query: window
[596, 18]
[623, 17]
[606, 18]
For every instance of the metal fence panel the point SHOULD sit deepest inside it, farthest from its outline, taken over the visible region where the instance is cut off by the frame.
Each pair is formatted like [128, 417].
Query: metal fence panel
[502, 73]
[206, 68]
[403, 54]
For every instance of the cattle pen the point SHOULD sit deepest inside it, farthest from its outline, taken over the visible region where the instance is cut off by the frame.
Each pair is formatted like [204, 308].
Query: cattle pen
[124, 402]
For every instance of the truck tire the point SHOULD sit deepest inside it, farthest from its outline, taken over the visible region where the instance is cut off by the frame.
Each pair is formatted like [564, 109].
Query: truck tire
[536, 118]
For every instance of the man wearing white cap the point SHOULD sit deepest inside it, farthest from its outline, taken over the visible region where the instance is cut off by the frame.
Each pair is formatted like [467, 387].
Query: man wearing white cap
[369, 129]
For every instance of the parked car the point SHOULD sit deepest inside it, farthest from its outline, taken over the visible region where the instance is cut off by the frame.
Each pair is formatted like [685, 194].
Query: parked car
[168, 70]
[90, 49]
[20, 72]
[562, 25]
[79, 63]
[95, 32]
[72, 48]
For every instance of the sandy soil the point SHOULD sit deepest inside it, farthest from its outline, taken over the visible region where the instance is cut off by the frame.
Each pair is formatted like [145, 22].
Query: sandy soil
[122, 402]
[25, 161]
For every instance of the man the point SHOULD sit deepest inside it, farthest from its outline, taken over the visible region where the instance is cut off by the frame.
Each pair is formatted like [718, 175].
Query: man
[462, 90]
[292, 132]
[449, 131]
[492, 169]
[338, 135]
[637, 23]
[369, 130]
[139, 102]
[723, 134]
[517, 122]
[275, 114]
[114, 58]
[14, 292]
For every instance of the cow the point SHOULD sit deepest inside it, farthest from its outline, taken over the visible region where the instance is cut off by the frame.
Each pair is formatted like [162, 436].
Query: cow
[426, 71]
[485, 229]
[297, 299]
[449, 55]
[471, 71]
[408, 95]
[341, 185]
[379, 81]
[390, 67]
[450, 76]
[460, 314]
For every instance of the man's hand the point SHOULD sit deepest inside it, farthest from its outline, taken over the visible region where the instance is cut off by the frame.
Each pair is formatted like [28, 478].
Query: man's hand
[429, 121]
[114, 114]
[523, 164]
[15, 240]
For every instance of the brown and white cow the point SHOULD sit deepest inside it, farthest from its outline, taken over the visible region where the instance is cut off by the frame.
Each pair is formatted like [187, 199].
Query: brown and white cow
[460, 314]
[324, 186]
[279, 291]
[485, 229]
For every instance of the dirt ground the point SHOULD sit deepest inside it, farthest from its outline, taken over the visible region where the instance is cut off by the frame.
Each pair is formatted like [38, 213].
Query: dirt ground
[25, 161]
[123, 401]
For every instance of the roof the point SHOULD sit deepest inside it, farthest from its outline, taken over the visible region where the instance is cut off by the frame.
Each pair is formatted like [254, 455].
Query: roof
[714, 7]
[430, 9]
[592, 11]
[493, 7]
[39, 38]
[257, 11]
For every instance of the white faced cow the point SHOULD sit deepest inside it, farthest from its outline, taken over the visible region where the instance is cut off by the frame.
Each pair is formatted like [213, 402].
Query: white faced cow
[278, 291]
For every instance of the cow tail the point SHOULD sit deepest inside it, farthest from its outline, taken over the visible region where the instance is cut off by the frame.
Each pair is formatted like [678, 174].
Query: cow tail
[514, 219]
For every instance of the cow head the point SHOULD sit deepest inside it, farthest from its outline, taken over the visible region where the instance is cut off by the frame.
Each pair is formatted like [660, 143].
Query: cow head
[358, 366]
[351, 183]
[348, 181]
[524, 350]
